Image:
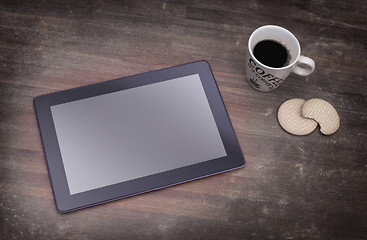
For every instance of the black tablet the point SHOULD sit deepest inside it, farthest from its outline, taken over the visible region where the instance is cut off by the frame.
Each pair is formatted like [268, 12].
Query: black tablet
[135, 134]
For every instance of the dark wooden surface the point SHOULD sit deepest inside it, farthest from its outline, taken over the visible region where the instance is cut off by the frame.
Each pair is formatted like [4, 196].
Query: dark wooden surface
[310, 187]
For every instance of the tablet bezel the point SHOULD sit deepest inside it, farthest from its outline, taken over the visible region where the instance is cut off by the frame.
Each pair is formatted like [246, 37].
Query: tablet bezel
[65, 202]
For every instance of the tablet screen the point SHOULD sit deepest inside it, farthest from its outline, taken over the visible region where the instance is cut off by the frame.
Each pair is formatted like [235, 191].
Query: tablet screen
[137, 132]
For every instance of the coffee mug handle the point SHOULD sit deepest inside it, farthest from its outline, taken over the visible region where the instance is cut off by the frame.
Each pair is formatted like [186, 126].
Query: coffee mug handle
[304, 61]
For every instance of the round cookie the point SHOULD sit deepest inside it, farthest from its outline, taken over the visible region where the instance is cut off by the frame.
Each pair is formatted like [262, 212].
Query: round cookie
[291, 120]
[322, 112]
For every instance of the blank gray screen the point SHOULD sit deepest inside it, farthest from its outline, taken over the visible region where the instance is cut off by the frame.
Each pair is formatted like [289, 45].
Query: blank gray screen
[137, 132]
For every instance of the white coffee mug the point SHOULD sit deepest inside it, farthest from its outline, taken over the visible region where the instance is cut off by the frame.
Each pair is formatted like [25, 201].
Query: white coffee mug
[265, 78]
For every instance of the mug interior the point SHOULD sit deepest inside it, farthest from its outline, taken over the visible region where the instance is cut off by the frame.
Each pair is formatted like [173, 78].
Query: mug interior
[279, 34]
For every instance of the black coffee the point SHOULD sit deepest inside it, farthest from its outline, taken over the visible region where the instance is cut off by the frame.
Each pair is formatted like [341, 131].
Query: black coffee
[271, 53]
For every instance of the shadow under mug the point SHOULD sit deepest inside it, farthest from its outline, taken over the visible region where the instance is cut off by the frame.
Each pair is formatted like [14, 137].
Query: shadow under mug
[265, 78]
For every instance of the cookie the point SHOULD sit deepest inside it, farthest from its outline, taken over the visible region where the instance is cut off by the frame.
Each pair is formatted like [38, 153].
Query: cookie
[291, 119]
[322, 112]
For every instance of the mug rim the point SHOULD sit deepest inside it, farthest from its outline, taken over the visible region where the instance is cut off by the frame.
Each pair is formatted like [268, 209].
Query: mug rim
[278, 27]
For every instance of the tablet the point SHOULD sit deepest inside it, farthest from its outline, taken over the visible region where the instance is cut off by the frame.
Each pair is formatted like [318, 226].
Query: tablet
[135, 134]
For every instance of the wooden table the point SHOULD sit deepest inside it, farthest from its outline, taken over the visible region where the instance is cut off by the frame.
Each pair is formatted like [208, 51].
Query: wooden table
[309, 187]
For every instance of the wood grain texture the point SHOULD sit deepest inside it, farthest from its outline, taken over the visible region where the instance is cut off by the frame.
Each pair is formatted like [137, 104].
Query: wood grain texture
[310, 187]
